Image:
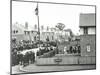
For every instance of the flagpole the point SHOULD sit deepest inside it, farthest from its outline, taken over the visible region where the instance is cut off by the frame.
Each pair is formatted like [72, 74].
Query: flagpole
[37, 14]
[38, 24]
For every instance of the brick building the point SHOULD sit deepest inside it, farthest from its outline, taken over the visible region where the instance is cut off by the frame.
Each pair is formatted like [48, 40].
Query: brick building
[88, 34]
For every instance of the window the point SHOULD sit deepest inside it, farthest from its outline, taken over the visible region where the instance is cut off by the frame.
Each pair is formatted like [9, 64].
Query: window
[16, 31]
[28, 32]
[85, 30]
[25, 32]
[47, 39]
[88, 48]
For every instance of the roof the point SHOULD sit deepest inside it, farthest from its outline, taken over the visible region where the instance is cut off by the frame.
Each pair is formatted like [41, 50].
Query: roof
[18, 26]
[68, 30]
[22, 27]
[87, 19]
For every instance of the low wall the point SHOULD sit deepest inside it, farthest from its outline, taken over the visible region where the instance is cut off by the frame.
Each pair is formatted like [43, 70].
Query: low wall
[66, 60]
[87, 60]
[46, 61]
[69, 60]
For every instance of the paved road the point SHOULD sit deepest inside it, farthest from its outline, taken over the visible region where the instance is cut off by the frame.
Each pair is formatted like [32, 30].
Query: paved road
[16, 69]
[34, 68]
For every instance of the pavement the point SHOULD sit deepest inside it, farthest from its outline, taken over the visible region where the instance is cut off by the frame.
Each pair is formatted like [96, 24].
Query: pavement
[16, 69]
[34, 68]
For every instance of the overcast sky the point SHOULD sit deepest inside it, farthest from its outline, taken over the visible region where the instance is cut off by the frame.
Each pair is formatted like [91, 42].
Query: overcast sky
[49, 14]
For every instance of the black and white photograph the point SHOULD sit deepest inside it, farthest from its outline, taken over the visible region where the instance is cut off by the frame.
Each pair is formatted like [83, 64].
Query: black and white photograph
[52, 37]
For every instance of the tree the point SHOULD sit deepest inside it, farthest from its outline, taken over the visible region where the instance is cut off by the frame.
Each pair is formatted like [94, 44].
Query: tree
[60, 26]
[71, 34]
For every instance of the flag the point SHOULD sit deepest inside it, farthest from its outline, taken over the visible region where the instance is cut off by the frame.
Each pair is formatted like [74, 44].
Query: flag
[36, 10]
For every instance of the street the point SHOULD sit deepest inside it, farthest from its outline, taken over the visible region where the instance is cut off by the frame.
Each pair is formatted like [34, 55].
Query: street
[16, 69]
[33, 68]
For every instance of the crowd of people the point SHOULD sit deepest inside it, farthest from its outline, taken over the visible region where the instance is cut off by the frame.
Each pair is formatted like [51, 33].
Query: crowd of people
[29, 56]
[18, 47]
[47, 52]
[46, 49]
[74, 49]
[19, 58]
[23, 45]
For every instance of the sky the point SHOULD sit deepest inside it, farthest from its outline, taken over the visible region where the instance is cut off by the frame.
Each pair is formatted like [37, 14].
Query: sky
[49, 14]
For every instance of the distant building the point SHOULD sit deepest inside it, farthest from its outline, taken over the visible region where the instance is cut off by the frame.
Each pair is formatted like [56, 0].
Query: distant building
[23, 32]
[17, 31]
[27, 32]
[47, 33]
[88, 34]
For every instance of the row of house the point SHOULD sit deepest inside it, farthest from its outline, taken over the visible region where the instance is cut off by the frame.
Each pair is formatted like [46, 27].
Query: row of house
[26, 32]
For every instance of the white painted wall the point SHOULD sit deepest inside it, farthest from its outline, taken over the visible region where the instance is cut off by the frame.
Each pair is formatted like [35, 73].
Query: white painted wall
[81, 31]
[16, 27]
[91, 30]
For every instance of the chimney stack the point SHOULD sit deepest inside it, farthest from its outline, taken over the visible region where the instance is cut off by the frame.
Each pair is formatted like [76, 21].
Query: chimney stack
[26, 25]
